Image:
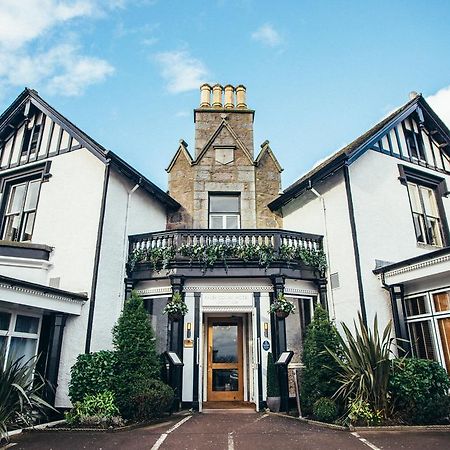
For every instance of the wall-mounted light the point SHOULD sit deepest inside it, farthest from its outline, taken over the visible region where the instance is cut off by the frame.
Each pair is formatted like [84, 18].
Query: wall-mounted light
[266, 329]
[188, 330]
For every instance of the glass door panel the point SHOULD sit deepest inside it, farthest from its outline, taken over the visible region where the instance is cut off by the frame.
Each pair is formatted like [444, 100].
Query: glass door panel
[225, 359]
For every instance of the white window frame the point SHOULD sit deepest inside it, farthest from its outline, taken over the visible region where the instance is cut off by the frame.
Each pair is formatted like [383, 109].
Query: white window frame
[224, 215]
[10, 333]
[432, 316]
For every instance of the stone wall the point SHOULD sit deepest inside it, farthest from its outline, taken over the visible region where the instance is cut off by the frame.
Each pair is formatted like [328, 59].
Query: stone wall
[268, 185]
[181, 188]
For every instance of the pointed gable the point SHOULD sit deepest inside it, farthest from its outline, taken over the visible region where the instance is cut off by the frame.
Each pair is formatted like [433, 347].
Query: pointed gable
[181, 152]
[224, 128]
[266, 152]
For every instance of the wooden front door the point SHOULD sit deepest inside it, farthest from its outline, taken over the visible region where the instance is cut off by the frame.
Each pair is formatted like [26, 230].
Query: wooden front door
[225, 374]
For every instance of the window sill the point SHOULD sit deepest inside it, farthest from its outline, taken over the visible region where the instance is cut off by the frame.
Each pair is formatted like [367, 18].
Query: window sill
[429, 246]
[25, 250]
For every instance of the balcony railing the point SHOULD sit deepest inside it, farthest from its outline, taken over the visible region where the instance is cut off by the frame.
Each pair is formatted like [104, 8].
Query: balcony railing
[208, 247]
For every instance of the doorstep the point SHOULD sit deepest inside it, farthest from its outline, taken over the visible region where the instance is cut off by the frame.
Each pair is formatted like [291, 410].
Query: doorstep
[227, 407]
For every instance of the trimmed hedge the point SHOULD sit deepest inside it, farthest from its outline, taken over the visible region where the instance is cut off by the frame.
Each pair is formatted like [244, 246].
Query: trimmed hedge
[325, 410]
[152, 399]
[91, 374]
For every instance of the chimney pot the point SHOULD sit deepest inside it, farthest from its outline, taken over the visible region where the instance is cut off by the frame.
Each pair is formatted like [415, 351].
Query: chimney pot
[229, 96]
[205, 96]
[240, 96]
[217, 96]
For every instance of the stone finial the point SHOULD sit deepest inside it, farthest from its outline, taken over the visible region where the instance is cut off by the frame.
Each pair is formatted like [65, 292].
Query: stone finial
[229, 96]
[413, 95]
[240, 96]
[205, 96]
[217, 96]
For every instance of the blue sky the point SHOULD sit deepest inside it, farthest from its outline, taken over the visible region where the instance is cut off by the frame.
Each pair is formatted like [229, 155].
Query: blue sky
[318, 73]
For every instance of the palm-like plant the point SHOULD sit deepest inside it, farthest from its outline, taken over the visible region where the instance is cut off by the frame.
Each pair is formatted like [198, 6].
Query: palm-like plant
[365, 365]
[20, 387]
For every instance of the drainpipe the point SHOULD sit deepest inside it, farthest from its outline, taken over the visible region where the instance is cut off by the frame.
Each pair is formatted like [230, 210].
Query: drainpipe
[327, 248]
[125, 234]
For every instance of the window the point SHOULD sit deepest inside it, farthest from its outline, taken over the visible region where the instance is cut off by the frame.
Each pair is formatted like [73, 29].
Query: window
[19, 335]
[224, 211]
[20, 210]
[424, 207]
[428, 320]
[414, 140]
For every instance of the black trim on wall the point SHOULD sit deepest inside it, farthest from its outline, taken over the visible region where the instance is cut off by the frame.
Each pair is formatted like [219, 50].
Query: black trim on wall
[351, 214]
[399, 317]
[87, 347]
[195, 396]
[257, 300]
[58, 322]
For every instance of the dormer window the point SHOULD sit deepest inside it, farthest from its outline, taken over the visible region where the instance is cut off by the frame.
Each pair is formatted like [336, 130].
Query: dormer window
[224, 211]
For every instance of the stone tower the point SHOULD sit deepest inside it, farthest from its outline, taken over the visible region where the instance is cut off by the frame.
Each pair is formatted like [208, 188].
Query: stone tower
[224, 162]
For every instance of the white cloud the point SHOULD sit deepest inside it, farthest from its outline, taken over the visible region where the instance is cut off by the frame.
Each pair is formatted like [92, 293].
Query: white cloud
[27, 58]
[440, 102]
[181, 71]
[267, 35]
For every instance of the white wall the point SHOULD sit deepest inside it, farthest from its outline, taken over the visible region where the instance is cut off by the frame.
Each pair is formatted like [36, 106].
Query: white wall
[145, 214]
[384, 223]
[306, 214]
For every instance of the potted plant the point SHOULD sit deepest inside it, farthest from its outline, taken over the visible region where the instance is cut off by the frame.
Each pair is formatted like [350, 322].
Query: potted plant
[282, 307]
[176, 308]
[273, 386]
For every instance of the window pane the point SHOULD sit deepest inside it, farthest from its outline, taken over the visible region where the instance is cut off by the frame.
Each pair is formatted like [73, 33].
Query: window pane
[28, 230]
[232, 222]
[22, 347]
[16, 199]
[216, 222]
[434, 230]
[2, 344]
[429, 201]
[32, 195]
[414, 196]
[442, 301]
[415, 306]
[224, 203]
[4, 320]
[419, 227]
[11, 232]
[421, 340]
[444, 331]
[225, 343]
[27, 324]
[225, 380]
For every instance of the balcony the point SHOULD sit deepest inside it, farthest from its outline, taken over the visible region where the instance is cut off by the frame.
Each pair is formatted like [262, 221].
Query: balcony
[242, 252]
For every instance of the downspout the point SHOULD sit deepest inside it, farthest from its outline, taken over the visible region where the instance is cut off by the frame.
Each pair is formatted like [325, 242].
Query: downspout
[125, 233]
[327, 248]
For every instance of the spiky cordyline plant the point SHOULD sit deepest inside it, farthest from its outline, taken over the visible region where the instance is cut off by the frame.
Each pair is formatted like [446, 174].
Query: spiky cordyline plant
[365, 365]
[20, 387]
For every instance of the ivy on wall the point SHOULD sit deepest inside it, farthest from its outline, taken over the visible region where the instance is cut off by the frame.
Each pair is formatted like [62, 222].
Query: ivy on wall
[210, 254]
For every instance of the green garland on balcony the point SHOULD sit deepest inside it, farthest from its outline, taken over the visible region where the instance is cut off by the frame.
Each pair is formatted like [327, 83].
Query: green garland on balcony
[208, 255]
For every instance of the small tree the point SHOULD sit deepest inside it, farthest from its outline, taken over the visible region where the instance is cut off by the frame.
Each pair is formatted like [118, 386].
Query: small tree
[318, 378]
[136, 357]
[273, 386]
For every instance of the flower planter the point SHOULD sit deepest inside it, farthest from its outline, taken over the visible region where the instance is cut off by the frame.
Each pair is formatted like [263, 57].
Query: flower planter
[281, 314]
[175, 316]
[273, 403]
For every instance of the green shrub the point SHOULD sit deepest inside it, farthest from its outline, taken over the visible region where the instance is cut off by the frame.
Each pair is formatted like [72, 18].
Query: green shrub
[95, 409]
[363, 414]
[419, 390]
[365, 365]
[325, 410]
[273, 386]
[151, 400]
[136, 358]
[318, 377]
[20, 393]
[92, 373]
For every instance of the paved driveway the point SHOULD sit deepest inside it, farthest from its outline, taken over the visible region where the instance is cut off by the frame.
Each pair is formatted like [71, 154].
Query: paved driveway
[233, 431]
